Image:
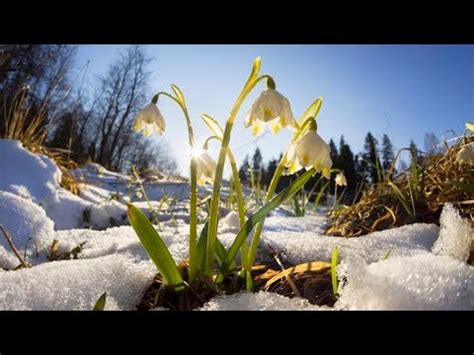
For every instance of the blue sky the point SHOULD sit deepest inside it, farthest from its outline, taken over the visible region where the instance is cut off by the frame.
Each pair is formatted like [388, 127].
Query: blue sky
[403, 90]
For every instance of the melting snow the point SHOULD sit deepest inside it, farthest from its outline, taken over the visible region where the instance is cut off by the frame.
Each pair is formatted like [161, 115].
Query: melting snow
[76, 284]
[455, 236]
[27, 224]
[261, 301]
[418, 266]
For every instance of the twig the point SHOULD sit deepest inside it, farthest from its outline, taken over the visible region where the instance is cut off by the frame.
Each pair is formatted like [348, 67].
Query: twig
[12, 246]
[288, 277]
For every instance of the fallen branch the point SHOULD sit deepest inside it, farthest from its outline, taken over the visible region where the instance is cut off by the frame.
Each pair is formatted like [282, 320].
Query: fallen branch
[12, 246]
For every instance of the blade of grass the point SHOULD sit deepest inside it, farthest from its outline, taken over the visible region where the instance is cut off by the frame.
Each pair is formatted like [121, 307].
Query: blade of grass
[400, 197]
[100, 304]
[220, 249]
[334, 261]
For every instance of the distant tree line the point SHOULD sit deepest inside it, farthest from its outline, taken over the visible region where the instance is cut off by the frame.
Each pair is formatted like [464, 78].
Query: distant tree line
[360, 169]
[91, 121]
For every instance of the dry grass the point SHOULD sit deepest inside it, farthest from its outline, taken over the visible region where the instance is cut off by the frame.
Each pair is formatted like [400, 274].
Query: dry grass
[22, 124]
[440, 180]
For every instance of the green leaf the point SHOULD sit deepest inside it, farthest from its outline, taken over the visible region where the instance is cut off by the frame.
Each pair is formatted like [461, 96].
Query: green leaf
[260, 214]
[213, 125]
[100, 304]
[296, 205]
[400, 197]
[201, 254]
[179, 94]
[201, 247]
[155, 247]
[334, 261]
[312, 110]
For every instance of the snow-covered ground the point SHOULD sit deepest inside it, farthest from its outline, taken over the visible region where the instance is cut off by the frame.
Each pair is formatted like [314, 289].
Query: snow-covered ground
[418, 266]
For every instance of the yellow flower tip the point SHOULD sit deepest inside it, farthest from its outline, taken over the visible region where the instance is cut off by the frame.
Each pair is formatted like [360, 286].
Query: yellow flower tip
[326, 172]
[310, 151]
[257, 128]
[205, 167]
[470, 126]
[270, 107]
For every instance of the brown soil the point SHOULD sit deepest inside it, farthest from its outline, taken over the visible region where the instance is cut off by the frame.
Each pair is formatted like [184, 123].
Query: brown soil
[313, 285]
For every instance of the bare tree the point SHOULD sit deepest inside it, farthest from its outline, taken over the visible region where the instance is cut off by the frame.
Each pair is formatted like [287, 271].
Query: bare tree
[121, 93]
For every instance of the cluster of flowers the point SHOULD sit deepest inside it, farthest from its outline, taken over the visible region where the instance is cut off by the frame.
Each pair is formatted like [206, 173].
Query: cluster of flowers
[270, 108]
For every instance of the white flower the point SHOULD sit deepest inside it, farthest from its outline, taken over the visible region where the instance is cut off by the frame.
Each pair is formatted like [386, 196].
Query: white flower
[341, 180]
[466, 154]
[309, 151]
[271, 107]
[149, 118]
[205, 167]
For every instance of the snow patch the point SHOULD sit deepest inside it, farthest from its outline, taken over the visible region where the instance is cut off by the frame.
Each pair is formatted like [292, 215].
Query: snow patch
[7, 260]
[230, 223]
[455, 235]
[77, 284]
[36, 177]
[309, 243]
[260, 301]
[24, 220]
[422, 282]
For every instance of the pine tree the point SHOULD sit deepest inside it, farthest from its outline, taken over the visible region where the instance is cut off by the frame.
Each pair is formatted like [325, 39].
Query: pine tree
[346, 163]
[257, 166]
[257, 159]
[244, 170]
[388, 155]
[360, 167]
[414, 154]
[371, 158]
[335, 161]
[333, 151]
[269, 172]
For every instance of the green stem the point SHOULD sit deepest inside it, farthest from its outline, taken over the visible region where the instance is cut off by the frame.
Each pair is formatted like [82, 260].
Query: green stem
[240, 204]
[193, 198]
[214, 211]
[185, 112]
[239, 196]
[268, 197]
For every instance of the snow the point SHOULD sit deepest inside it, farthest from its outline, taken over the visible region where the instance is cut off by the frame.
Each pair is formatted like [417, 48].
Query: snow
[230, 223]
[77, 284]
[37, 178]
[423, 282]
[455, 236]
[99, 180]
[440, 280]
[7, 260]
[24, 220]
[418, 266]
[260, 301]
[36, 173]
[298, 246]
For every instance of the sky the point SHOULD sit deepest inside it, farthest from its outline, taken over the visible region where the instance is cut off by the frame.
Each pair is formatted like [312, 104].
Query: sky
[404, 91]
